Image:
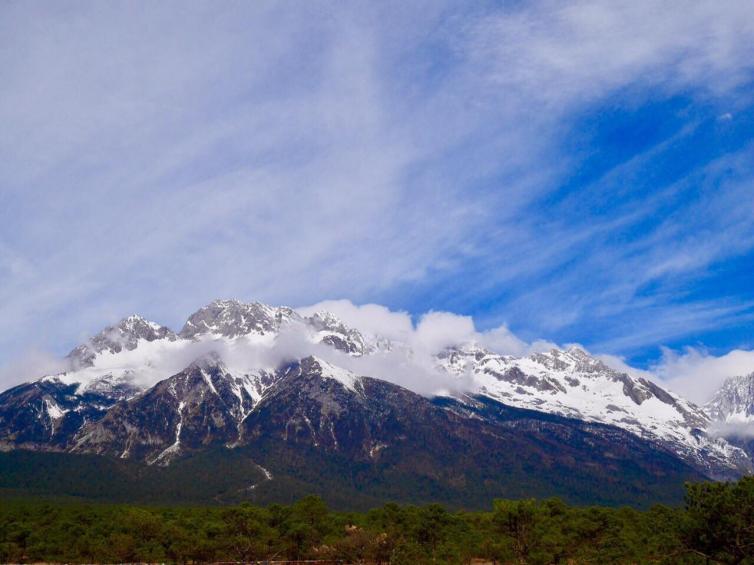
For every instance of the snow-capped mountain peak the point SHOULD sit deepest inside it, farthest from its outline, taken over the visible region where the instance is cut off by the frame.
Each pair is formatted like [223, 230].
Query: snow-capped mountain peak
[734, 401]
[732, 412]
[332, 331]
[573, 359]
[126, 334]
[574, 384]
[232, 318]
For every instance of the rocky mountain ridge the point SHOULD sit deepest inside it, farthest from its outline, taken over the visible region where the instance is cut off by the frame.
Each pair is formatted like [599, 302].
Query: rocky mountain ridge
[138, 390]
[574, 384]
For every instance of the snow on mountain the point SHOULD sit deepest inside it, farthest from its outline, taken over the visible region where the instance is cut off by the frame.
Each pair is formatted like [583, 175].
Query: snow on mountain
[574, 384]
[44, 414]
[733, 403]
[136, 353]
[231, 318]
[732, 412]
[130, 357]
[194, 407]
[329, 371]
[332, 331]
[251, 342]
[203, 404]
[124, 336]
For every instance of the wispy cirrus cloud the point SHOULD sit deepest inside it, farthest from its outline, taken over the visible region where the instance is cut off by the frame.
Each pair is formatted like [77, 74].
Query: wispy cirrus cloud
[574, 53]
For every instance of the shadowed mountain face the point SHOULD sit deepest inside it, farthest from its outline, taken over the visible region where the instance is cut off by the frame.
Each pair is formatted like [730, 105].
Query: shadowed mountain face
[556, 423]
[46, 414]
[190, 410]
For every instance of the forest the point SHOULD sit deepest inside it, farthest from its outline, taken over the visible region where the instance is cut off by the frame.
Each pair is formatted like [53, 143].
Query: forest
[714, 525]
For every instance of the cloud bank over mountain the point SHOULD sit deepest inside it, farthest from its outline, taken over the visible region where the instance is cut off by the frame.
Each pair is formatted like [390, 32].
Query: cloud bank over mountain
[410, 359]
[694, 373]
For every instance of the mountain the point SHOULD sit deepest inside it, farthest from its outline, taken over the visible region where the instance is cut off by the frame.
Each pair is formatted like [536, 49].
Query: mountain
[574, 384]
[732, 411]
[126, 335]
[734, 401]
[356, 441]
[45, 414]
[126, 359]
[382, 440]
[230, 318]
[299, 399]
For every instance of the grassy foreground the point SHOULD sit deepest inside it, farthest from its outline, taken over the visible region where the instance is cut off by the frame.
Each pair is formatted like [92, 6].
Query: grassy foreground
[716, 525]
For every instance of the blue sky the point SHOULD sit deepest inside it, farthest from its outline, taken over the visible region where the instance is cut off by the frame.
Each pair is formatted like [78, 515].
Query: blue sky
[578, 173]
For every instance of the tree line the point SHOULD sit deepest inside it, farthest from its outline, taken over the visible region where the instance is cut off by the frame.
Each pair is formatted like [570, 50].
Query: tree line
[715, 525]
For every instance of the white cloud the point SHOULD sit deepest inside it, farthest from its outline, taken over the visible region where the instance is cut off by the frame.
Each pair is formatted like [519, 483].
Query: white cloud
[439, 330]
[694, 373]
[697, 374]
[372, 319]
[741, 430]
[433, 332]
[505, 342]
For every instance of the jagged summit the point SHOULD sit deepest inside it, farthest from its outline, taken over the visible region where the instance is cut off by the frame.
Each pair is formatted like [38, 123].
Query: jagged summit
[732, 412]
[573, 358]
[232, 318]
[332, 331]
[315, 366]
[126, 334]
[734, 400]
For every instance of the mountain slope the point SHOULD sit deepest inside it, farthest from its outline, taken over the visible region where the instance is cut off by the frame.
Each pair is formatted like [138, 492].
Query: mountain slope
[130, 357]
[196, 408]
